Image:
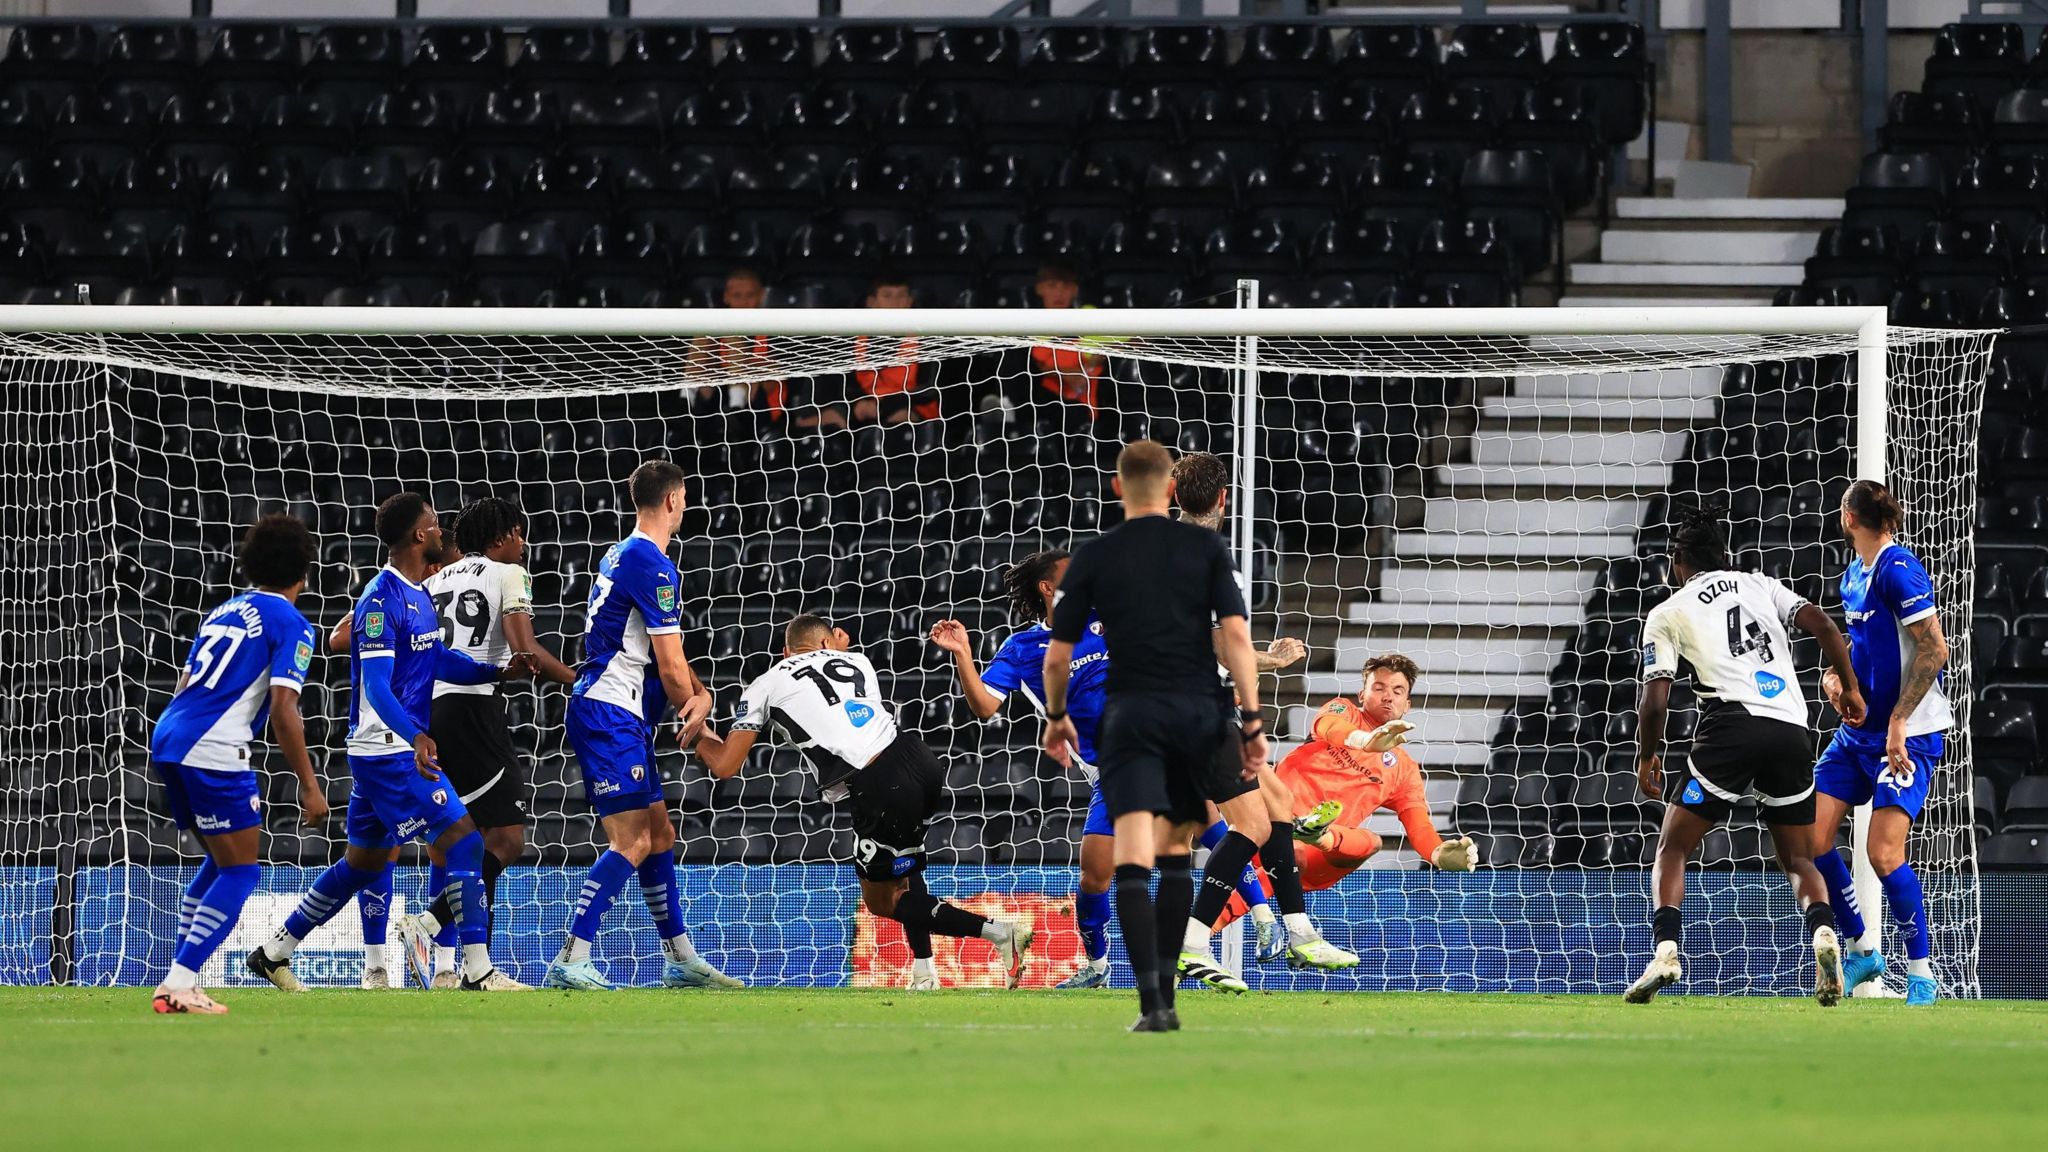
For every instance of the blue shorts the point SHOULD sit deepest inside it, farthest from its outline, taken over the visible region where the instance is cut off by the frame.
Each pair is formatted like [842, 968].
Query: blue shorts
[210, 802]
[1854, 771]
[615, 749]
[389, 803]
[1099, 823]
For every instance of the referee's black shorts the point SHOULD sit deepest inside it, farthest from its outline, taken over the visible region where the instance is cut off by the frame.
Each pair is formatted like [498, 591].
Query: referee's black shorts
[474, 742]
[1166, 753]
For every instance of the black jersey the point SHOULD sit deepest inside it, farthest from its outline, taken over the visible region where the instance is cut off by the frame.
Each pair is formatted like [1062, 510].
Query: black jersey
[1158, 586]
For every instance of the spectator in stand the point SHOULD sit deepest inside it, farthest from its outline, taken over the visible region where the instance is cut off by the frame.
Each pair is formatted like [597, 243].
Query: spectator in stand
[757, 389]
[890, 393]
[1062, 376]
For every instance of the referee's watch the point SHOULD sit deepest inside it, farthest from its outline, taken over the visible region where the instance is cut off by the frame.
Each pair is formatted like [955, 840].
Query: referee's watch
[1252, 729]
[1056, 717]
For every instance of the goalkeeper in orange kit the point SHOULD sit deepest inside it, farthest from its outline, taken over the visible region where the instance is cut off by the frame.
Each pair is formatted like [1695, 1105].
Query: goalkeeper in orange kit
[1354, 767]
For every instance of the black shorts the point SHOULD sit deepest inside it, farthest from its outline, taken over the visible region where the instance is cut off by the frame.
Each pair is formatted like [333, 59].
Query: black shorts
[1735, 752]
[475, 747]
[893, 799]
[1166, 753]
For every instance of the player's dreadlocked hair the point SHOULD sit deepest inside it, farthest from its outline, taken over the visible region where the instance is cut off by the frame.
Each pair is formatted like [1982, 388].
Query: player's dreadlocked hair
[1697, 538]
[1021, 582]
[485, 522]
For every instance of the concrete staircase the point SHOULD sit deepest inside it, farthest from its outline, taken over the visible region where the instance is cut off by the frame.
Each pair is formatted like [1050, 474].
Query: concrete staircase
[1731, 250]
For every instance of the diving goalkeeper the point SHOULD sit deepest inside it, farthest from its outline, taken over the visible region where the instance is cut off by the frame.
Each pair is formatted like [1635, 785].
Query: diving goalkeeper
[1354, 767]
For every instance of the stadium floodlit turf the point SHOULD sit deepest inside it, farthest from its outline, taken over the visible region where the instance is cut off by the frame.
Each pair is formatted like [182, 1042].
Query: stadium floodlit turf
[842, 1069]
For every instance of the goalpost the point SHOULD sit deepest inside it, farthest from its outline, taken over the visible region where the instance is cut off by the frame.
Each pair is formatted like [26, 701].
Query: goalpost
[1484, 489]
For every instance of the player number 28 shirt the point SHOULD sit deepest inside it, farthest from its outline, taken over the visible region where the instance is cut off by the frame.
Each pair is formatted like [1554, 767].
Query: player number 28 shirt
[829, 704]
[1733, 628]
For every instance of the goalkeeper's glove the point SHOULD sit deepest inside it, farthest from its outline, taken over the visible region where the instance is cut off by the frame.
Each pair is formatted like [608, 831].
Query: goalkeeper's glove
[1460, 855]
[1381, 739]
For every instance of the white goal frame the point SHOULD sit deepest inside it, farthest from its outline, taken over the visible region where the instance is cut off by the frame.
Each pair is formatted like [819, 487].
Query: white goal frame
[1246, 325]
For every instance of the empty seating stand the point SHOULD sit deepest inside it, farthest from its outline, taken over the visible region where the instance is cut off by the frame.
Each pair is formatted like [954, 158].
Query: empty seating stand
[255, 128]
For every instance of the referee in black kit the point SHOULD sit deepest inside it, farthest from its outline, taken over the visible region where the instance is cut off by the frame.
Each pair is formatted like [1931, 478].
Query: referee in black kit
[1170, 609]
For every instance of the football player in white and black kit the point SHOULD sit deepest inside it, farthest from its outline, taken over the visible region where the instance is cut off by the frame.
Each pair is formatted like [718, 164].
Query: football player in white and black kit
[826, 700]
[1732, 628]
[485, 601]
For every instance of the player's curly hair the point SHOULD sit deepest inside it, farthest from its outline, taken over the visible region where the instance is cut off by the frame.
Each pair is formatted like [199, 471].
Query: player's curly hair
[397, 515]
[1394, 662]
[485, 522]
[1021, 580]
[1199, 480]
[1874, 506]
[1698, 538]
[277, 551]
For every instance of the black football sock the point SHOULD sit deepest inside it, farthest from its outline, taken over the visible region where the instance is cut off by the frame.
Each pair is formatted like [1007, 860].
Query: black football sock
[919, 939]
[1176, 892]
[1277, 854]
[1141, 931]
[1220, 877]
[1819, 914]
[953, 920]
[1664, 924]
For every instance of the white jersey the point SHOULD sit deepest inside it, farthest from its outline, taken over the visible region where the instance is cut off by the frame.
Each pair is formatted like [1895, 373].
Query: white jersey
[829, 704]
[1734, 628]
[473, 596]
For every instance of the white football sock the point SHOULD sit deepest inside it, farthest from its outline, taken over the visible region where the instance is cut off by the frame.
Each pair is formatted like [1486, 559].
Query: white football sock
[1262, 913]
[181, 977]
[1922, 967]
[373, 955]
[281, 946]
[1300, 927]
[444, 957]
[923, 967]
[575, 951]
[1196, 939]
[476, 961]
[431, 924]
[995, 932]
[679, 949]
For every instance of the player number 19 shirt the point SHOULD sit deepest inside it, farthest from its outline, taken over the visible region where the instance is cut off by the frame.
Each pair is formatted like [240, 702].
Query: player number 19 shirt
[829, 704]
[1733, 628]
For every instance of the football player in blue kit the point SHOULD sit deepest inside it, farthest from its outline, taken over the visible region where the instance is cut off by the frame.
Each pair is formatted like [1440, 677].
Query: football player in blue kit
[247, 665]
[1019, 666]
[633, 669]
[1900, 655]
[396, 654]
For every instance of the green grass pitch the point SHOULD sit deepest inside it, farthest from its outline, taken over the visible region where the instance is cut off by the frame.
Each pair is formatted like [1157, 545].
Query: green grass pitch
[1032, 1070]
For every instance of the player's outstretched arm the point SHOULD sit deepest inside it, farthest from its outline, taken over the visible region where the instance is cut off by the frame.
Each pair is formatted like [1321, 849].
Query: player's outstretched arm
[723, 757]
[1843, 692]
[1281, 653]
[1652, 711]
[459, 668]
[952, 636]
[519, 634]
[290, 729]
[680, 683]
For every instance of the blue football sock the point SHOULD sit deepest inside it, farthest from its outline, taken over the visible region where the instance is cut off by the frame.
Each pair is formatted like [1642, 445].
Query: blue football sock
[437, 883]
[1909, 909]
[665, 903]
[1214, 834]
[326, 897]
[217, 912]
[195, 893]
[600, 888]
[373, 904]
[1841, 893]
[1092, 911]
[1248, 886]
[465, 889]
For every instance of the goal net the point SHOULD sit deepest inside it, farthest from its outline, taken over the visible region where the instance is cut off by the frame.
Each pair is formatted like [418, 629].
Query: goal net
[1491, 500]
